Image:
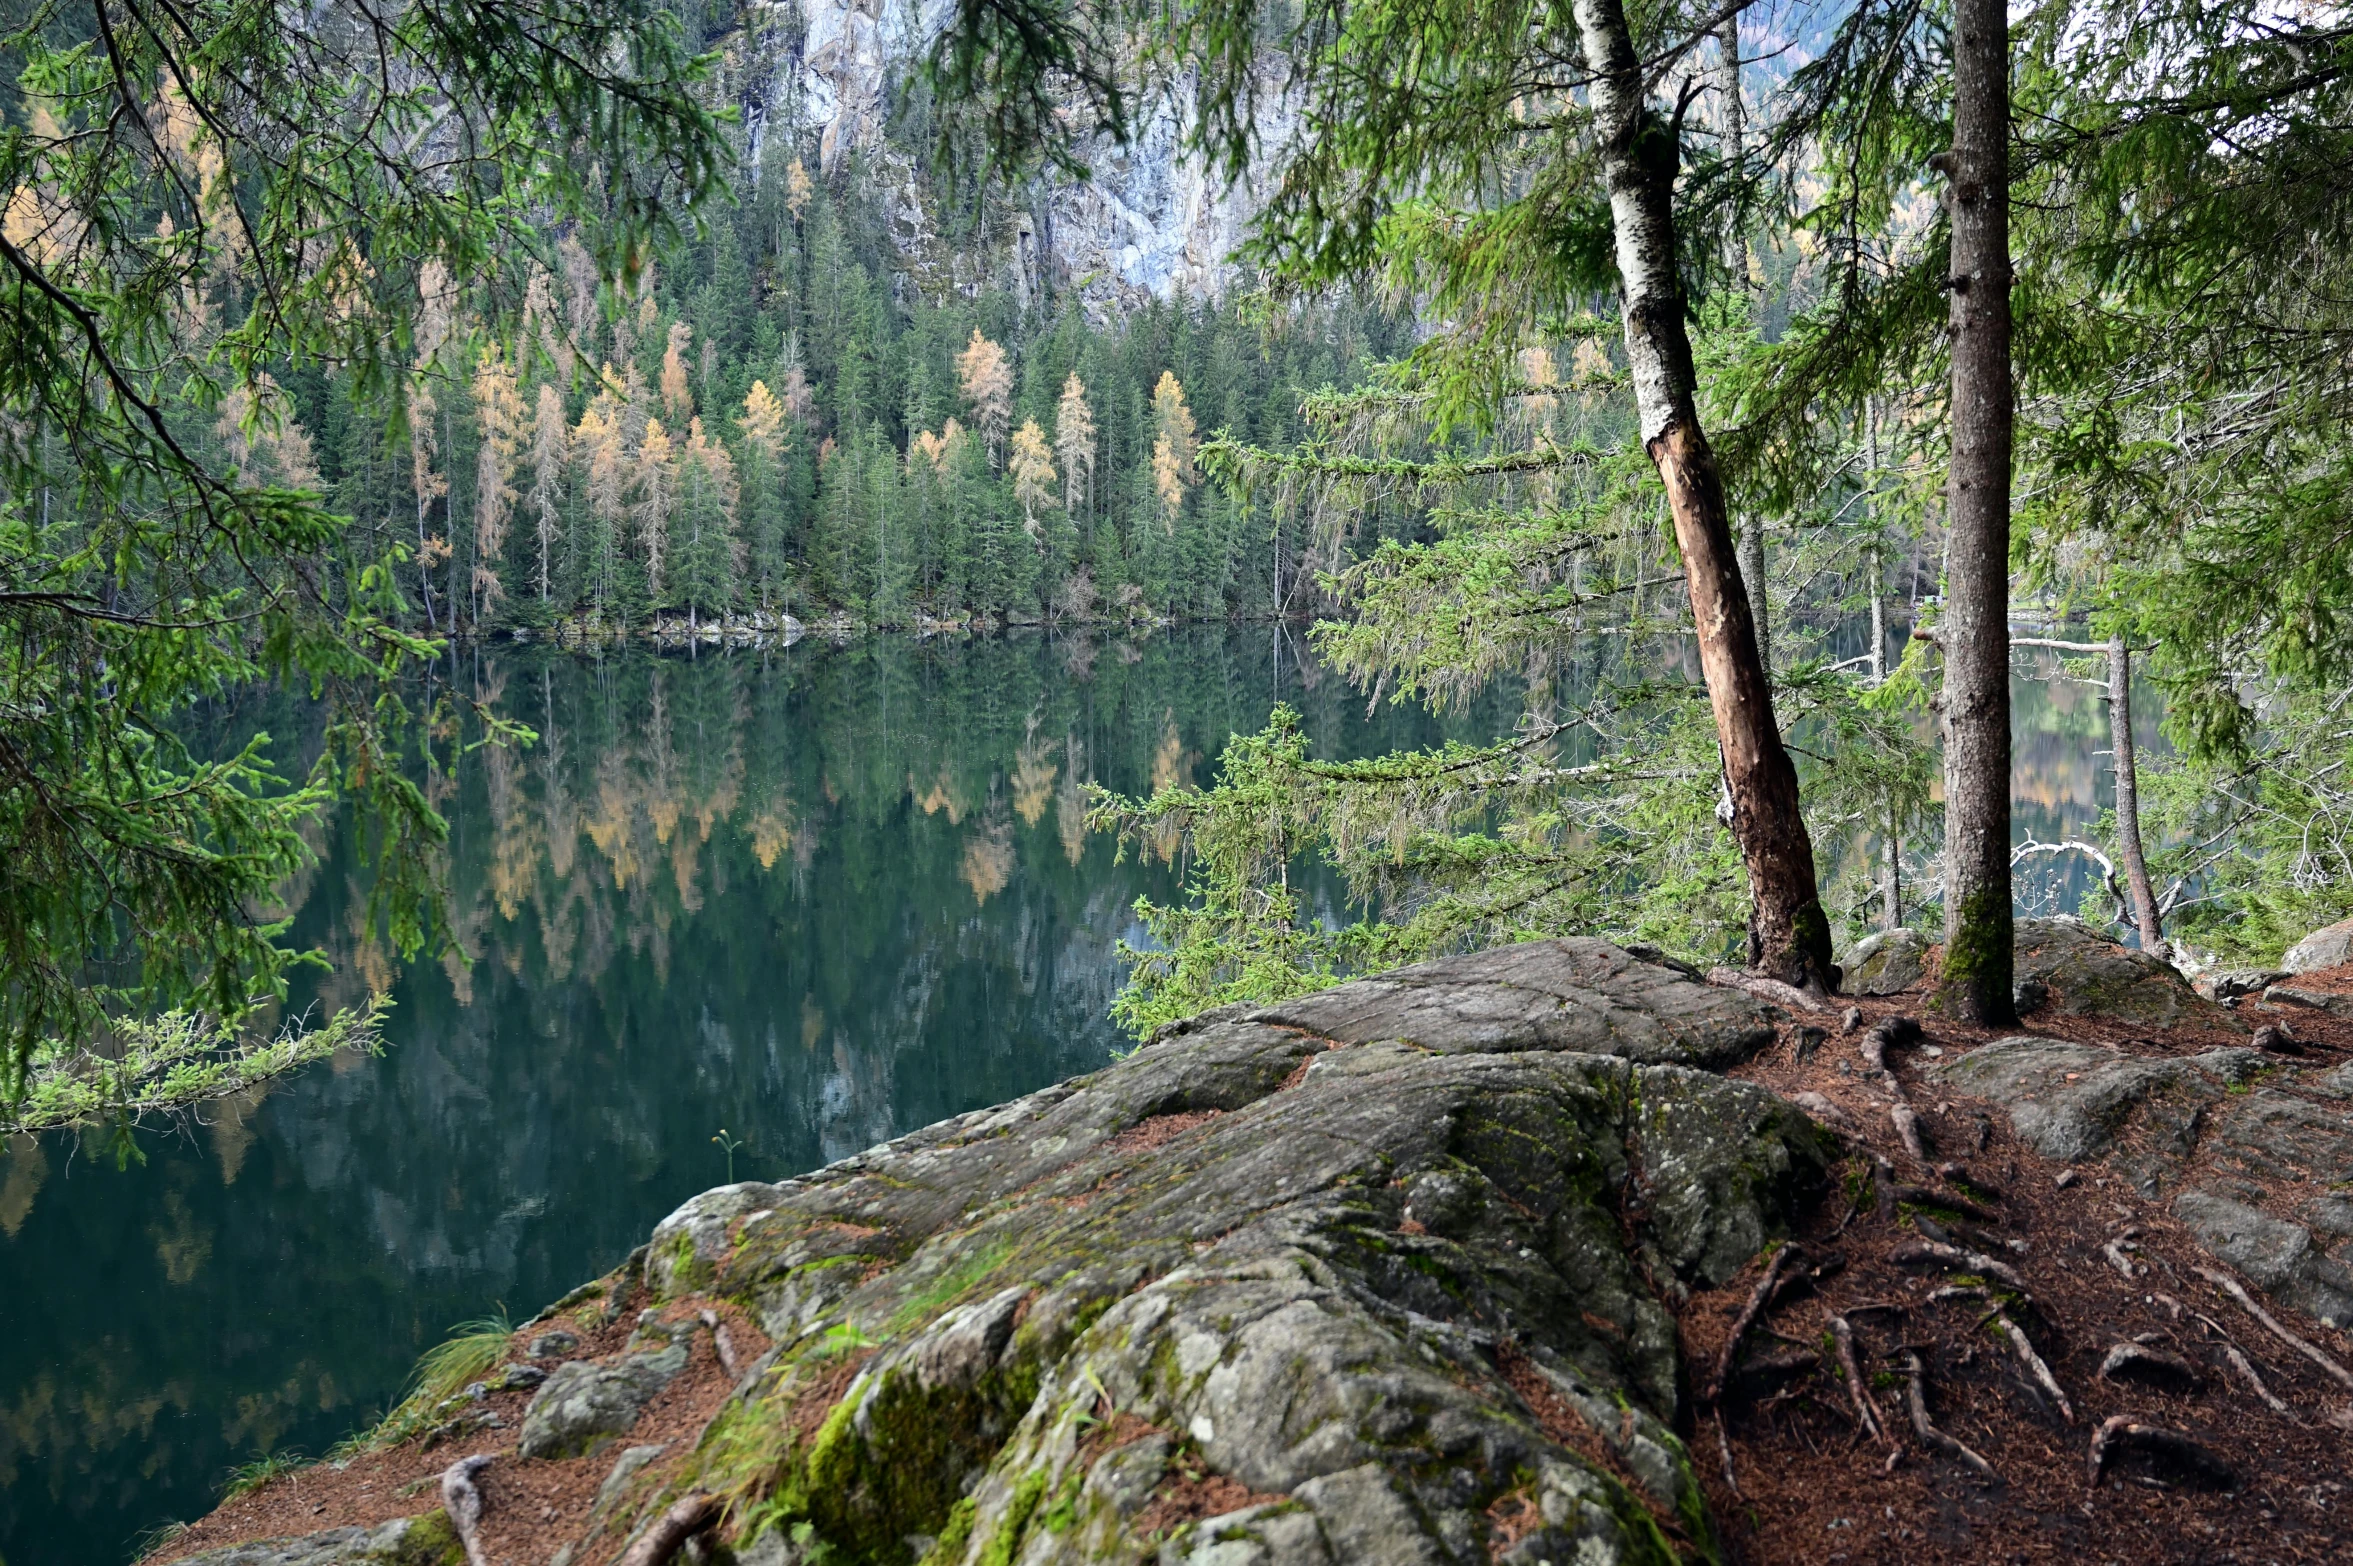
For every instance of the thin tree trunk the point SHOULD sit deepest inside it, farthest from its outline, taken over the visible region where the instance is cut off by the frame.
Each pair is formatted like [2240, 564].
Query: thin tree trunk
[1789, 936]
[1974, 983]
[1752, 526]
[2128, 799]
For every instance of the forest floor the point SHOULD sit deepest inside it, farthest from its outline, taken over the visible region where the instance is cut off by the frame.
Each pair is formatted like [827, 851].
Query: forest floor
[1794, 1477]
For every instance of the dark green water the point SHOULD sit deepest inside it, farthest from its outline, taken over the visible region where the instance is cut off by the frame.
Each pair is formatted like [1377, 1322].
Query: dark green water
[816, 898]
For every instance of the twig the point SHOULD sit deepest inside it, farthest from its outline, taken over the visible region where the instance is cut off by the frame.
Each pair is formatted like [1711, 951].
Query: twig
[1758, 1298]
[1925, 1428]
[2310, 1351]
[1843, 1335]
[461, 1498]
[687, 1516]
[2034, 1363]
[1724, 1450]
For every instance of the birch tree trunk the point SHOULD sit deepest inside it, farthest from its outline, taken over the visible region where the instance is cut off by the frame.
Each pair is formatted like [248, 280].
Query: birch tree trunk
[1974, 983]
[1789, 936]
[2128, 800]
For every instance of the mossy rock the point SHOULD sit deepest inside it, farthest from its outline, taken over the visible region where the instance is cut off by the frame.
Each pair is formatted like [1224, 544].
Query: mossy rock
[1887, 963]
[2088, 974]
[424, 1540]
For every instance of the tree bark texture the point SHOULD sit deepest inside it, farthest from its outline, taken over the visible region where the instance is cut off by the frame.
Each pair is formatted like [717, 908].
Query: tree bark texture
[2128, 800]
[1974, 983]
[1789, 936]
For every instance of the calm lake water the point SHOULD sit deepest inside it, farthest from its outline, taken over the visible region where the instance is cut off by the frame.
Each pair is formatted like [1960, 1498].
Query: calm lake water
[815, 898]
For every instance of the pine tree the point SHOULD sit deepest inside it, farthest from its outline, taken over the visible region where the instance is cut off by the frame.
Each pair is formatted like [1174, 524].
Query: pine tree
[597, 441]
[709, 556]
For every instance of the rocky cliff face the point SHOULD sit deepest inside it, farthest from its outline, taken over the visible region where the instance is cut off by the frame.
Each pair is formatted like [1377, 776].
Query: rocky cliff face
[1151, 222]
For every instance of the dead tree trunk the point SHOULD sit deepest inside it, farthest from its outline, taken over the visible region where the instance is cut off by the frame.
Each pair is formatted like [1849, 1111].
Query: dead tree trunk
[1974, 983]
[2128, 799]
[1789, 936]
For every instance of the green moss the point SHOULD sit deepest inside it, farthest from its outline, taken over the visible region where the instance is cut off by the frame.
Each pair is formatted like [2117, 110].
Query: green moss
[688, 1271]
[1027, 1492]
[429, 1541]
[1979, 961]
[961, 1278]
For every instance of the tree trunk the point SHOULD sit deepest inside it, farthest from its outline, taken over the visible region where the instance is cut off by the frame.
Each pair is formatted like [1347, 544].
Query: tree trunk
[2128, 799]
[1789, 936]
[1752, 527]
[1974, 983]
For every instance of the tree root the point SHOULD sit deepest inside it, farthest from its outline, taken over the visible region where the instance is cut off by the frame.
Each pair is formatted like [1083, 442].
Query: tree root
[1886, 1034]
[2310, 1351]
[1765, 989]
[2114, 1251]
[1922, 1196]
[1724, 1450]
[1907, 1126]
[1916, 1399]
[1843, 1334]
[1758, 1299]
[2034, 1363]
[2189, 1458]
[1933, 1253]
[2247, 1373]
[687, 1516]
[461, 1499]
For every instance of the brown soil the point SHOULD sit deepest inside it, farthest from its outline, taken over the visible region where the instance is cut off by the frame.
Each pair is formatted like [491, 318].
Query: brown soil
[1190, 1494]
[1813, 1488]
[530, 1509]
[1146, 1135]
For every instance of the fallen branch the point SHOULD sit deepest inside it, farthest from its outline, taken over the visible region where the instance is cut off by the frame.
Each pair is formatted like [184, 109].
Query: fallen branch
[461, 1499]
[2189, 1457]
[2310, 1351]
[1843, 1335]
[1925, 1428]
[2034, 1363]
[1758, 1298]
[1766, 989]
[686, 1517]
[1914, 1253]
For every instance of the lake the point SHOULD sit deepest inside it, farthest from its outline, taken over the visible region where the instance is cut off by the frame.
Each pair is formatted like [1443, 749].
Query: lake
[810, 898]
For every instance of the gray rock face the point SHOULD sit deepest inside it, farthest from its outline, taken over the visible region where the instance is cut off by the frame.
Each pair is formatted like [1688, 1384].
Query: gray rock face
[2308, 999]
[2219, 1129]
[2085, 973]
[1887, 963]
[2324, 948]
[1571, 994]
[585, 1405]
[425, 1540]
[1371, 1296]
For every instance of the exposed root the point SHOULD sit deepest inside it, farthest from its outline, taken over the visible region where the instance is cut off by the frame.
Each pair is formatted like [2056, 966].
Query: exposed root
[1933, 1253]
[2134, 1362]
[1758, 1298]
[1886, 1034]
[2186, 1458]
[2034, 1363]
[1925, 1428]
[2310, 1351]
[2247, 1373]
[1765, 989]
[2114, 1250]
[1907, 1126]
[687, 1516]
[1922, 1196]
[1724, 1450]
[1843, 1334]
[461, 1498]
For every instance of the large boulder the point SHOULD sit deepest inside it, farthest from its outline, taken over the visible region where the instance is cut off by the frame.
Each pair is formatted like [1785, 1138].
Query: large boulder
[1345, 1274]
[2087, 974]
[2234, 1137]
[2331, 947]
[585, 1406]
[1887, 963]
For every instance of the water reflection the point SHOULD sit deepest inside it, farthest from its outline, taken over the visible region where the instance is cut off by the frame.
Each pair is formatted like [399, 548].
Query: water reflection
[816, 898]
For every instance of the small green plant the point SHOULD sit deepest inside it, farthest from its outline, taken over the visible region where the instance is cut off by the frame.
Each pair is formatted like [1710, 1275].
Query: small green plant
[728, 1144]
[249, 1477]
[156, 1538]
[468, 1354]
